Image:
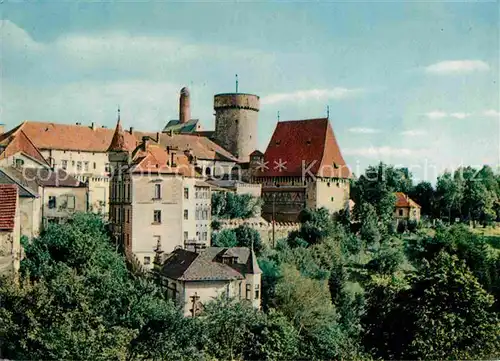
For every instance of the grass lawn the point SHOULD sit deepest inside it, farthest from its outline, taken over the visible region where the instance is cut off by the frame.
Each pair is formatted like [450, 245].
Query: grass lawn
[491, 234]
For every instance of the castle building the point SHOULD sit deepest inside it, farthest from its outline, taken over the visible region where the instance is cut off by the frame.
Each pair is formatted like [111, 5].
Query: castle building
[302, 167]
[194, 278]
[81, 150]
[157, 199]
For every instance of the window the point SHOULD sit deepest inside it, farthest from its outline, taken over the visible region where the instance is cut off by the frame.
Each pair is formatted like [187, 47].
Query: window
[239, 290]
[95, 165]
[248, 295]
[186, 236]
[157, 241]
[400, 212]
[107, 167]
[198, 235]
[332, 199]
[204, 236]
[157, 216]
[86, 166]
[147, 261]
[19, 162]
[257, 291]
[186, 193]
[128, 215]
[64, 164]
[79, 166]
[186, 214]
[72, 163]
[208, 171]
[71, 202]
[52, 202]
[157, 191]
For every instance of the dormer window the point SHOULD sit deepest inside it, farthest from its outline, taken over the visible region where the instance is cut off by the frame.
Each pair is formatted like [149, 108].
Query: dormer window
[278, 142]
[19, 163]
[335, 165]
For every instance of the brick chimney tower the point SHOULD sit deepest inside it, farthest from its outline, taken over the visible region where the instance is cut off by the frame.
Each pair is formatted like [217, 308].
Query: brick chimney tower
[184, 106]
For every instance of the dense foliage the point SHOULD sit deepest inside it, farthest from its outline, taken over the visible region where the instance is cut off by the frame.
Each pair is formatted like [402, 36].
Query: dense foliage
[334, 289]
[229, 205]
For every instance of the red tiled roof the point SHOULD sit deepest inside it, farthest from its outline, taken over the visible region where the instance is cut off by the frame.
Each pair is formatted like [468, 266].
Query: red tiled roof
[201, 147]
[16, 141]
[402, 200]
[47, 135]
[304, 145]
[118, 142]
[156, 159]
[8, 206]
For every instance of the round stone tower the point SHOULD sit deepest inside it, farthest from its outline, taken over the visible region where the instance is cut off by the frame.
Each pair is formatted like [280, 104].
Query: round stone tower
[236, 117]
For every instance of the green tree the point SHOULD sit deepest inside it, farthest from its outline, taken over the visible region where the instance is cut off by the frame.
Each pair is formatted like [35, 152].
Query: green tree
[249, 237]
[423, 194]
[229, 326]
[445, 314]
[225, 238]
[304, 301]
[273, 339]
[369, 230]
[230, 205]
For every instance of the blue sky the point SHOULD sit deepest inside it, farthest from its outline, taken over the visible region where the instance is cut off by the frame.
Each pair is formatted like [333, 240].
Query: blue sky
[409, 83]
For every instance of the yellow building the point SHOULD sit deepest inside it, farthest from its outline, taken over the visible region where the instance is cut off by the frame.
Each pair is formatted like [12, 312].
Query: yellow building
[157, 199]
[406, 208]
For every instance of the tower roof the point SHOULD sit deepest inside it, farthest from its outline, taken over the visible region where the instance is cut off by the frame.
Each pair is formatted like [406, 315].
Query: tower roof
[118, 143]
[303, 147]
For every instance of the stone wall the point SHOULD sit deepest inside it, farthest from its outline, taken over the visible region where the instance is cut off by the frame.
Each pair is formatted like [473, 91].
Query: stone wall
[265, 229]
[236, 118]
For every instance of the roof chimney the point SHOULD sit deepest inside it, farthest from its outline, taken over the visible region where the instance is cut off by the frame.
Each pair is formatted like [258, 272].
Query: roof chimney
[145, 142]
[2, 128]
[184, 106]
[131, 130]
[93, 126]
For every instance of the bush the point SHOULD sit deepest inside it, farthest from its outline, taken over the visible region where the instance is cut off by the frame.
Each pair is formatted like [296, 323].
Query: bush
[412, 225]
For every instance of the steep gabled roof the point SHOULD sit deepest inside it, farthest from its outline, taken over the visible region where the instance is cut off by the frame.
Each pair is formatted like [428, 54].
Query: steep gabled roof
[118, 142]
[302, 145]
[8, 206]
[16, 141]
[46, 135]
[402, 200]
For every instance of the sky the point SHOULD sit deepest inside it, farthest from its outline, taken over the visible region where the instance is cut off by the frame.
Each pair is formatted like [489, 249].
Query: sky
[410, 83]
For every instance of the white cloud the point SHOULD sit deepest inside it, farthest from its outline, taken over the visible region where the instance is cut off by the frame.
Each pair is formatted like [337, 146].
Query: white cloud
[438, 114]
[313, 94]
[491, 113]
[413, 132]
[457, 67]
[364, 130]
[459, 115]
[384, 152]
